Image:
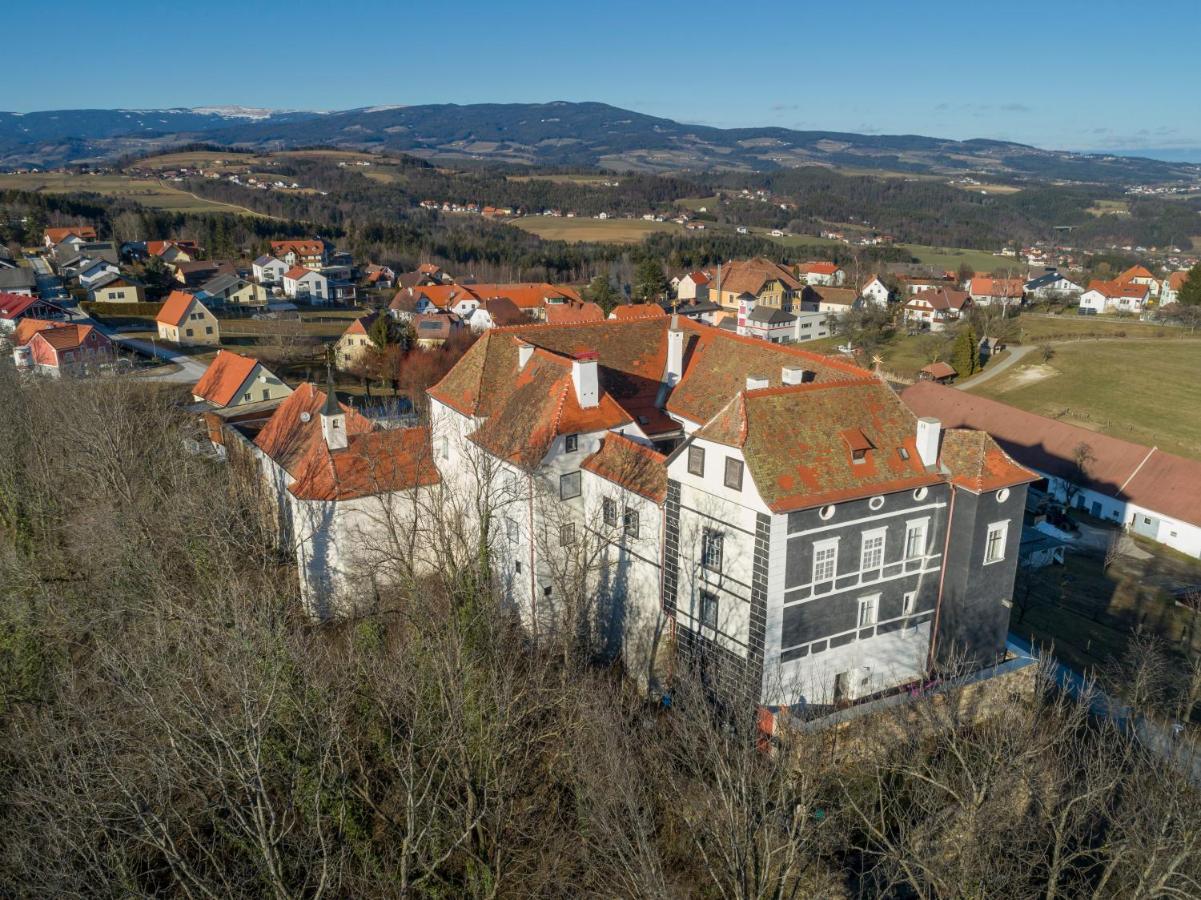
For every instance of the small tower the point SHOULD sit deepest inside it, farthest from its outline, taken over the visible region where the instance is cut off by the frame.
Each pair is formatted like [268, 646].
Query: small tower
[333, 419]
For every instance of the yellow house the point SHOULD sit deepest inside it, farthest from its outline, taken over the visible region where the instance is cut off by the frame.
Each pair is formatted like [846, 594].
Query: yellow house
[233, 380]
[119, 290]
[354, 342]
[233, 289]
[185, 320]
[766, 282]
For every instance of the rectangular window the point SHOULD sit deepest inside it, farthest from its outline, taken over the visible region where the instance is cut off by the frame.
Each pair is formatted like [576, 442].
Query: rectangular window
[994, 547]
[708, 610]
[569, 486]
[868, 610]
[609, 511]
[629, 523]
[872, 553]
[567, 534]
[825, 560]
[571, 443]
[511, 530]
[712, 546]
[189, 332]
[696, 461]
[915, 539]
[909, 603]
[444, 448]
[246, 396]
[208, 329]
[733, 473]
[267, 395]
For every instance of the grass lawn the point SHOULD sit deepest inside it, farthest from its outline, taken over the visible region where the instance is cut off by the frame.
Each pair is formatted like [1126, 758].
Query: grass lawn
[1090, 615]
[615, 231]
[146, 192]
[1069, 326]
[592, 179]
[951, 258]
[1142, 391]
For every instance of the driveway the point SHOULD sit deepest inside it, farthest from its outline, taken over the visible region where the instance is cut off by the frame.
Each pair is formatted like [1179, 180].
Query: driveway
[1015, 354]
[185, 371]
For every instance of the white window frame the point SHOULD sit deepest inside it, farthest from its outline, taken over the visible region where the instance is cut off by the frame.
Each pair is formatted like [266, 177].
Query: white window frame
[820, 547]
[1001, 528]
[908, 603]
[912, 527]
[871, 535]
[870, 605]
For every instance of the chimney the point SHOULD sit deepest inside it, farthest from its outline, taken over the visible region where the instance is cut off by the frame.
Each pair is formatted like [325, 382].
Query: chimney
[755, 382]
[675, 353]
[796, 375]
[584, 377]
[524, 352]
[929, 431]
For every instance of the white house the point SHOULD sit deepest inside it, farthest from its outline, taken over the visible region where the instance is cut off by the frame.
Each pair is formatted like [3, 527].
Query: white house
[1113, 296]
[304, 284]
[875, 292]
[95, 271]
[1052, 285]
[827, 274]
[692, 286]
[1169, 290]
[269, 270]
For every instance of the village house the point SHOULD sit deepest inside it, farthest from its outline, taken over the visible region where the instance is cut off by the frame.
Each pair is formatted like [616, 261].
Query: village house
[234, 380]
[1143, 489]
[193, 274]
[231, 289]
[117, 289]
[94, 271]
[185, 320]
[63, 350]
[1141, 276]
[432, 331]
[781, 514]
[54, 236]
[833, 301]
[496, 312]
[306, 285]
[16, 307]
[1114, 296]
[691, 286]
[532, 298]
[1052, 285]
[312, 254]
[269, 270]
[376, 276]
[354, 342]
[936, 308]
[173, 252]
[826, 274]
[1169, 289]
[573, 312]
[875, 292]
[746, 284]
[19, 281]
[986, 290]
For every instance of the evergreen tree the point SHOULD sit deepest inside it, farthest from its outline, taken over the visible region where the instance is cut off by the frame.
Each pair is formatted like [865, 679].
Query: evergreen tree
[964, 354]
[1190, 291]
[380, 331]
[601, 292]
[649, 283]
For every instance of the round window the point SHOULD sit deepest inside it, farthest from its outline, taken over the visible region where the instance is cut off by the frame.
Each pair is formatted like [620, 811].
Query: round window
[827, 512]
[875, 502]
[1002, 495]
[921, 493]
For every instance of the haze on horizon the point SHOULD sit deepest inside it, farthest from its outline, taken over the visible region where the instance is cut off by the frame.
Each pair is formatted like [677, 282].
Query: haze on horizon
[1029, 73]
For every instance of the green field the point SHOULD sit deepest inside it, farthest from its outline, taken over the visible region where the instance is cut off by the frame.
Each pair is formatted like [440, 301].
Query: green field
[146, 192]
[615, 231]
[1140, 390]
[951, 258]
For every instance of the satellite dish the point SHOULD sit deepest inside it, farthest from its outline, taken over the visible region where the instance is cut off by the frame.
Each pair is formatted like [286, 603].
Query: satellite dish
[305, 416]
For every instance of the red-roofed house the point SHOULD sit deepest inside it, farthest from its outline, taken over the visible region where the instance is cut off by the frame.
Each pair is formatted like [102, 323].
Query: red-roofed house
[692, 286]
[1169, 290]
[1140, 275]
[306, 285]
[15, 307]
[1114, 296]
[821, 273]
[236, 380]
[985, 290]
[936, 307]
[312, 254]
[354, 342]
[53, 236]
[184, 320]
[573, 312]
[66, 350]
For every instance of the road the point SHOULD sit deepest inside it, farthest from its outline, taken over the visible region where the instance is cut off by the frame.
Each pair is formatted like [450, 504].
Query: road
[1015, 354]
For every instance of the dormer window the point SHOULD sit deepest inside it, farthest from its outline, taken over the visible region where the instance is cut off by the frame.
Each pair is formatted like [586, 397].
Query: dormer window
[571, 443]
[858, 443]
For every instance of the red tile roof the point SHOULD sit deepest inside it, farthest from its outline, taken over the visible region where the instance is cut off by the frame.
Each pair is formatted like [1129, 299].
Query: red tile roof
[787, 434]
[1177, 279]
[297, 272]
[630, 465]
[176, 307]
[225, 375]
[1119, 289]
[58, 235]
[940, 370]
[1162, 482]
[573, 313]
[300, 248]
[69, 337]
[638, 311]
[750, 276]
[27, 328]
[986, 286]
[698, 277]
[977, 462]
[817, 268]
[13, 305]
[542, 405]
[941, 299]
[1132, 273]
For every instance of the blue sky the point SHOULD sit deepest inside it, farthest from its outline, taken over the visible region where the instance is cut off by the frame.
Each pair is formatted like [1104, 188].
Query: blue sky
[1072, 75]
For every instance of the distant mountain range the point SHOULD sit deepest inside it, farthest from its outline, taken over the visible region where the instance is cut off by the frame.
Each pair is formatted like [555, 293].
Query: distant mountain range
[553, 134]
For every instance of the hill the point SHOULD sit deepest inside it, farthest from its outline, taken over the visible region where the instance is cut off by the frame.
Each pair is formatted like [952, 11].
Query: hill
[554, 134]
